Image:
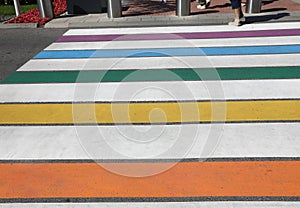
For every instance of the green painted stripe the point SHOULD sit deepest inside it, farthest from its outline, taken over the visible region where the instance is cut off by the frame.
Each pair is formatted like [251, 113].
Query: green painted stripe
[153, 75]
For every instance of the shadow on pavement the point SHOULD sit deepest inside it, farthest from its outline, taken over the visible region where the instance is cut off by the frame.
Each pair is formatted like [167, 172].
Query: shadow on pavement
[255, 19]
[266, 2]
[220, 6]
[149, 7]
[205, 12]
[274, 10]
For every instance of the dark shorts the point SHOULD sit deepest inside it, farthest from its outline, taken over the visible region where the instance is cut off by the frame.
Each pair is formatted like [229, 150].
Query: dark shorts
[235, 4]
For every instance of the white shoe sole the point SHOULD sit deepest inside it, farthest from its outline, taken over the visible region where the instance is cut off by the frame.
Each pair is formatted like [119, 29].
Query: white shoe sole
[201, 7]
[204, 6]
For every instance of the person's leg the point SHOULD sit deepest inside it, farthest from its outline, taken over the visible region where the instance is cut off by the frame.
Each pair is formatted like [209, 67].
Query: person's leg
[238, 14]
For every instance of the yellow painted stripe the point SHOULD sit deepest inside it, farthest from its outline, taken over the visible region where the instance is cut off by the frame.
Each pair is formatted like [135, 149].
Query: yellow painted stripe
[169, 112]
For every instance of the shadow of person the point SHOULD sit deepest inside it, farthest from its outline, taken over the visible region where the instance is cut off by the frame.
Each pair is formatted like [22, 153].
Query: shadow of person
[274, 10]
[145, 7]
[204, 12]
[266, 2]
[264, 18]
[220, 6]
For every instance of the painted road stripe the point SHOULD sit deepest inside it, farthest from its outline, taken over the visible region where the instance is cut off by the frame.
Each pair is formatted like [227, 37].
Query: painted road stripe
[163, 62]
[191, 35]
[202, 179]
[54, 185]
[150, 113]
[151, 91]
[285, 40]
[272, 140]
[211, 204]
[167, 52]
[184, 29]
[153, 75]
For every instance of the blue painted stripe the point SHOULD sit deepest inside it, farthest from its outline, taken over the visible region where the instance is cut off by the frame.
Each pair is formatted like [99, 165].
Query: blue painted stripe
[164, 52]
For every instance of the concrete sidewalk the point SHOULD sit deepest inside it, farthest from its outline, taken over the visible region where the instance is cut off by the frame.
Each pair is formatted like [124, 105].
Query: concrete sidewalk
[101, 20]
[155, 13]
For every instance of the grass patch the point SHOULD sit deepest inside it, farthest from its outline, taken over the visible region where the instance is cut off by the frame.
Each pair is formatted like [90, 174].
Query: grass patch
[10, 9]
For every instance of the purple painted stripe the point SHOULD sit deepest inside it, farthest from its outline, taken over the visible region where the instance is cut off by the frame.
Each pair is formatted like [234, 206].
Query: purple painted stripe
[199, 35]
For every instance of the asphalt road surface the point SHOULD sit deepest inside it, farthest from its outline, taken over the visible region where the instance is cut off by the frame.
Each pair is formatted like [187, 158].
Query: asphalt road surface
[17, 46]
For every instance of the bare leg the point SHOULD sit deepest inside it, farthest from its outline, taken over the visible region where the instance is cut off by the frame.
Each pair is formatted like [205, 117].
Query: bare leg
[238, 14]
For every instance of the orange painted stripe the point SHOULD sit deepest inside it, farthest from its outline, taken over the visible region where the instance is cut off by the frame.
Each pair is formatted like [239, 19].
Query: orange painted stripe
[186, 179]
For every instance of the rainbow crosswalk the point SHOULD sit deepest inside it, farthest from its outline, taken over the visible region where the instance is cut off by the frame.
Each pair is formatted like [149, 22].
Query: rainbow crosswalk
[163, 116]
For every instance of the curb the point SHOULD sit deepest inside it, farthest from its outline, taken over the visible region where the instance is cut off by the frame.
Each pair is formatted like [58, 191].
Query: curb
[151, 21]
[139, 21]
[18, 25]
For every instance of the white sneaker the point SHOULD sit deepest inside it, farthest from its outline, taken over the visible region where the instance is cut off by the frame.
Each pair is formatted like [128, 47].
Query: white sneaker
[201, 6]
[204, 6]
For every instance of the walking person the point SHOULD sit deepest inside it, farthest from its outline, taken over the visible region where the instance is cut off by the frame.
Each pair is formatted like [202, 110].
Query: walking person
[236, 6]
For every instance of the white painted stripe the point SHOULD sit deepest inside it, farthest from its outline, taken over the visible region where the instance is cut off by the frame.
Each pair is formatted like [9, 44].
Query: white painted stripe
[150, 142]
[151, 91]
[162, 62]
[185, 29]
[211, 204]
[143, 44]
